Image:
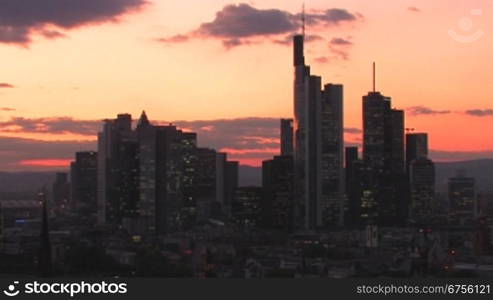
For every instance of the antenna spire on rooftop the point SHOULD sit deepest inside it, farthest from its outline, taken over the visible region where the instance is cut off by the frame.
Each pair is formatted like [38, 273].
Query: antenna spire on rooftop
[303, 20]
[374, 75]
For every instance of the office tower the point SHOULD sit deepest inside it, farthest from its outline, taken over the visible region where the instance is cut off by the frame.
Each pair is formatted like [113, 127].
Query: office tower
[209, 190]
[350, 156]
[277, 196]
[147, 148]
[231, 182]
[83, 177]
[312, 164]
[204, 190]
[331, 144]
[301, 72]
[383, 134]
[317, 147]
[61, 192]
[286, 137]
[245, 208]
[353, 194]
[362, 203]
[155, 180]
[175, 172]
[422, 187]
[220, 180]
[416, 147]
[462, 199]
[118, 170]
[397, 142]
[383, 153]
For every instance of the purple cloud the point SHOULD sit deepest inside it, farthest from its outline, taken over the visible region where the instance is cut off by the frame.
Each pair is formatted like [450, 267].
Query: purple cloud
[21, 19]
[422, 110]
[236, 25]
[414, 9]
[479, 112]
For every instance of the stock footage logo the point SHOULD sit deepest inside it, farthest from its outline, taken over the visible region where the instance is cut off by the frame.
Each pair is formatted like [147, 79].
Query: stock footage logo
[70, 289]
[467, 35]
[12, 290]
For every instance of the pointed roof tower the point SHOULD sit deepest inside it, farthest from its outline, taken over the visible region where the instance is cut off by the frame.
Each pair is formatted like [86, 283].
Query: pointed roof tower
[143, 120]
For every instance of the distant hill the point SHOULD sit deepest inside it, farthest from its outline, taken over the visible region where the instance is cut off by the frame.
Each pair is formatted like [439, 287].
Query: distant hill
[481, 169]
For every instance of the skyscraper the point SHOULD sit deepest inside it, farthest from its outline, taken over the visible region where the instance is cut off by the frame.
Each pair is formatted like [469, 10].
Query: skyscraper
[331, 143]
[421, 174]
[383, 153]
[277, 195]
[147, 139]
[175, 171]
[301, 190]
[416, 147]
[117, 170]
[462, 199]
[245, 208]
[422, 187]
[83, 177]
[286, 137]
[350, 156]
[231, 182]
[383, 134]
[318, 147]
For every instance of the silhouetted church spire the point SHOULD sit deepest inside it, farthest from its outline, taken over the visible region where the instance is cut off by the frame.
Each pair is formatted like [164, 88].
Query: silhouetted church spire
[44, 259]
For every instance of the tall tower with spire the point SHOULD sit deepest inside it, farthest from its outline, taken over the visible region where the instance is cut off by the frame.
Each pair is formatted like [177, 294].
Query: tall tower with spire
[383, 153]
[318, 144]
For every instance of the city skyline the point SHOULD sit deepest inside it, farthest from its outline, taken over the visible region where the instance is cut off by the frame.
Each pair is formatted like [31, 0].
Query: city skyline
[217, 175]
[33, 106]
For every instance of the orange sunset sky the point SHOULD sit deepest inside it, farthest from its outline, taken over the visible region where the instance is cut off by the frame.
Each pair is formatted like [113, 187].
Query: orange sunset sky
[218, 66]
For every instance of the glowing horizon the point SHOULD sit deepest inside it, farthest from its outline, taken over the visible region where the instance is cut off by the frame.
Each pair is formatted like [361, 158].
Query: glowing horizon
[177, 63]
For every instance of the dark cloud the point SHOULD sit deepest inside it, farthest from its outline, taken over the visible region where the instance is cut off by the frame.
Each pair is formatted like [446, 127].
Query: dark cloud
[55, 125]
[248, 139]
[243, 20]
[21, 19]
[333, 16]
[15, 150]
[422, 110]
[479, 112]
[7, 109]
[244, 133]
[288, 40]
[4, 85]
[52, 34]
[441, 155]
[179, 38]
[14, 35]
[237, 24]
[414, 9]
[234, 43]
[352, 130]
[340, 42]
[338, 49]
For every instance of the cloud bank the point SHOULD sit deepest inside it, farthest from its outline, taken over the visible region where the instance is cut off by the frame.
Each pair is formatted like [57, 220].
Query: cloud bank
[242, 24]
[20, 20]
